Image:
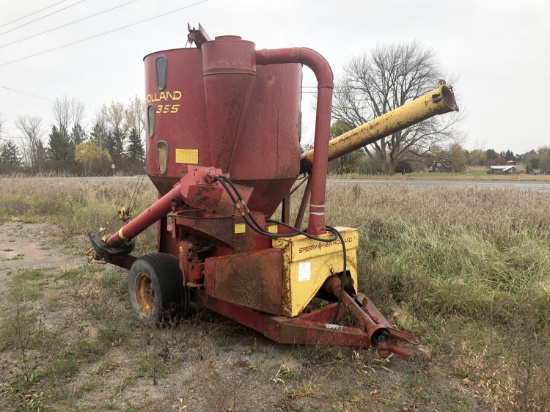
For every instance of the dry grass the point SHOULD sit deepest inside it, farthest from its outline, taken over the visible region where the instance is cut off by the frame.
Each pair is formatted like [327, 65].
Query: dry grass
[466, 269]
[80, 205]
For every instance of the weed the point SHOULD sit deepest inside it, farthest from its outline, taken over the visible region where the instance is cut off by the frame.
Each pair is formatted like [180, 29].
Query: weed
[19, 256]
[35, 402]
[286, 372]
[346, 393]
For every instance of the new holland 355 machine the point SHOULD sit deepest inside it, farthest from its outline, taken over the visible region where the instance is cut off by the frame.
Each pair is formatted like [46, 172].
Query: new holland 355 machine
[223, 151]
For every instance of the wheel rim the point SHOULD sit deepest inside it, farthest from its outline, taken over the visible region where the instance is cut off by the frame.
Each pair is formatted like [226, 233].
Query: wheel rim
[145, 294]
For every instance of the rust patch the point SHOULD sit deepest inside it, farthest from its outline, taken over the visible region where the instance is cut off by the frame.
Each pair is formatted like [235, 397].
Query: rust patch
[253, 280]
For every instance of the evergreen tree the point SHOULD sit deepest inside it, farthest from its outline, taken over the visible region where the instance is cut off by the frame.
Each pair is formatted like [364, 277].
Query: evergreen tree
[491, 154]
[109, 144]
[534, 162]
[117, 138]
[9, 153]
[10, 159]
[114, 143]
[41, 154]
[78, 135]
[98, 135]
[59, 145]
[135, 147]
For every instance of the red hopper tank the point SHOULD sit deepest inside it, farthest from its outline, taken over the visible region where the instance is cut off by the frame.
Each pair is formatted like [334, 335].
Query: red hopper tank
[212, 106]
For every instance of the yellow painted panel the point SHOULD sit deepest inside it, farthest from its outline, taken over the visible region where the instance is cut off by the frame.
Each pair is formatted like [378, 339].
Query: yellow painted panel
[189, 156]
[308, 263]
[301, 247]
[240, 228]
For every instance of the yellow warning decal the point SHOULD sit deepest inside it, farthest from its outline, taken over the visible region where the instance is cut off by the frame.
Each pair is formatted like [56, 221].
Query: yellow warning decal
[272, 229]
[240, 228]
[189, 156]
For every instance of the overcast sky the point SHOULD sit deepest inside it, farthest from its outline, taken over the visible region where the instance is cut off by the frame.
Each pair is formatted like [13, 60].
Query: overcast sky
[499, 49]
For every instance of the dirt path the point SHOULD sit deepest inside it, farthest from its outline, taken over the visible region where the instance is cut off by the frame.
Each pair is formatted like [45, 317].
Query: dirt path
[31, 245]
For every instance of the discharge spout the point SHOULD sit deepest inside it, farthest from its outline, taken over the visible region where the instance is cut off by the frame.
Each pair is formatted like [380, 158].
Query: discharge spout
[438, 101]
[197, 188]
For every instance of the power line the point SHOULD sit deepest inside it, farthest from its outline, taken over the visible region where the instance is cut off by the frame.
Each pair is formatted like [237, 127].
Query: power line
[28, 94]
[32, 95]
[68, 24]
[33, 13]
[43, 17]
[102, 34]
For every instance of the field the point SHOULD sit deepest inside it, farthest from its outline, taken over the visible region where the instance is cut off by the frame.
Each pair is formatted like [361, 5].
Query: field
[465, 269]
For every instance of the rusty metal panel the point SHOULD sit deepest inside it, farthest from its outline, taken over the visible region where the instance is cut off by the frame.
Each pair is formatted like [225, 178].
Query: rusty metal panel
[253, 280]
[230, 231]
[248, 317]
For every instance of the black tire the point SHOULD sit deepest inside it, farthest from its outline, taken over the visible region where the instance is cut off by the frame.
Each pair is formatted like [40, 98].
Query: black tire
[156, 291]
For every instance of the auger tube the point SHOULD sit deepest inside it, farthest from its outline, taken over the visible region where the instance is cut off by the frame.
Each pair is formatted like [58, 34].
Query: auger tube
[438, 101]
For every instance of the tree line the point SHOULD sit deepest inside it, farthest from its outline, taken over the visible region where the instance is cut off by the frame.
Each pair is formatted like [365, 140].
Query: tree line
[69, 148]
[456, 158]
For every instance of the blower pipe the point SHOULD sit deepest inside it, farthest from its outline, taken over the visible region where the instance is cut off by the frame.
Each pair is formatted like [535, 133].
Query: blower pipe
[319, 162]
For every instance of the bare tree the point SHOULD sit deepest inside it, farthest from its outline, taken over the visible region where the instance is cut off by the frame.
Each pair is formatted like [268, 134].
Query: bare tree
[77, 112]
[30, 128]
[135, 115]
[376, 83]
[115, 117]
[67, 112]
[100, 133]
[100, 127]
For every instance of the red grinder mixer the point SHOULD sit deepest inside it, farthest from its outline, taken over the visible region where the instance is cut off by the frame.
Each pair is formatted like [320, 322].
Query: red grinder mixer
[223, 151]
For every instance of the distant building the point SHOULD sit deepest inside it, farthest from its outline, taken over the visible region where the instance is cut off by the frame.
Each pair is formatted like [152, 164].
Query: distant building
[503, 170]
[441, 166]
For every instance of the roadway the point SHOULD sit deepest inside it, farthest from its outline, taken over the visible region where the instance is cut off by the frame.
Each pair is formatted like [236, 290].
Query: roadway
[426, 184]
